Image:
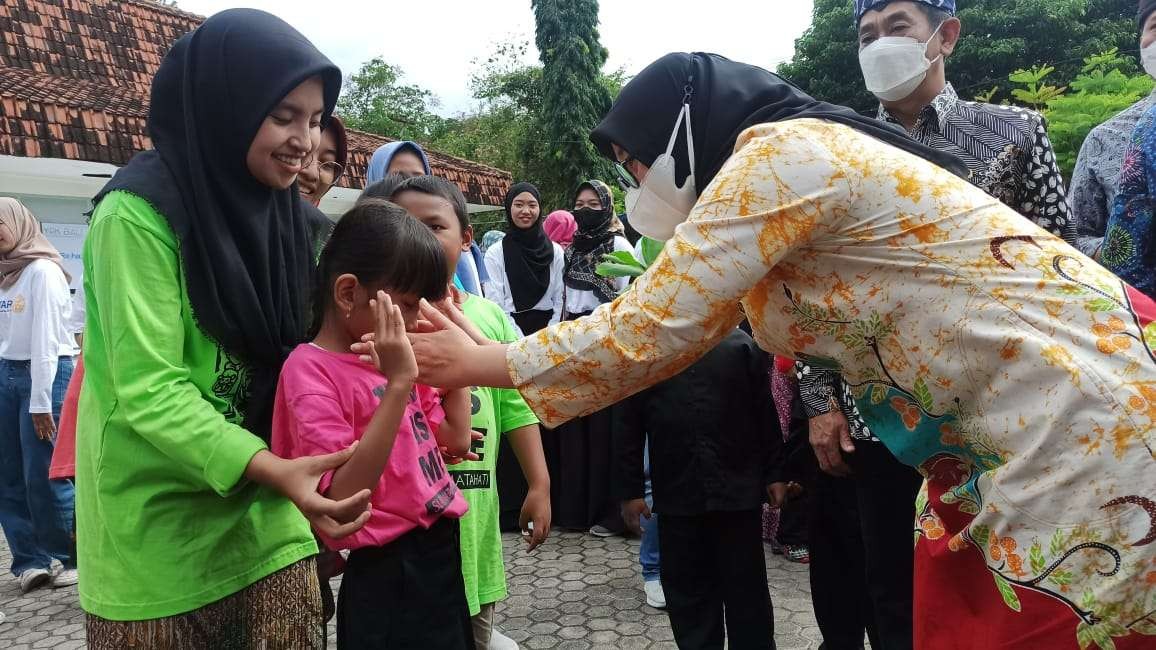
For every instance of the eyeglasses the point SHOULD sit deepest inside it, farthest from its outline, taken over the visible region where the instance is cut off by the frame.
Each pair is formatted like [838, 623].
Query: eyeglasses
[328, 173]
[626, 180]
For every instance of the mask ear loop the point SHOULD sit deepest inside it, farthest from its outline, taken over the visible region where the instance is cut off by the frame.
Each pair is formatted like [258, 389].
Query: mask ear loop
[689, 144]
[928, 43]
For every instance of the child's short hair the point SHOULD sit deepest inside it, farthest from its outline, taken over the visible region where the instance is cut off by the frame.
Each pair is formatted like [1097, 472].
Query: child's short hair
[380, 243]
[391, 186]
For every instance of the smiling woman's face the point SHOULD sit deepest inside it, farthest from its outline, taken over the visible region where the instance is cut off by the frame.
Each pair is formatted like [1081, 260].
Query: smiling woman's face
[310, 182]
[288, 135]
[524, 210]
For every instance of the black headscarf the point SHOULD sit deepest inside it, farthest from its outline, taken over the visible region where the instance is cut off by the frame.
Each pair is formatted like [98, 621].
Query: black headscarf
[528, 254]
[726, 98]
[245, 249]
[1145, 8]
[592, 240]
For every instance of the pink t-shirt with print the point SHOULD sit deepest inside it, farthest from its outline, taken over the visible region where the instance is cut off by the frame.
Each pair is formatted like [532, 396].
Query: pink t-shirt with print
[325, 401]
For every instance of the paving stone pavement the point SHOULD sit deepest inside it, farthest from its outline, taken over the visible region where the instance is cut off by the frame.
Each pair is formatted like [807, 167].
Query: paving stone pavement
[575, 592]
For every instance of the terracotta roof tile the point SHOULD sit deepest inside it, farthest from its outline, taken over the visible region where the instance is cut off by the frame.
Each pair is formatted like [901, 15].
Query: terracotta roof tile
[480, 183]
[75, 78]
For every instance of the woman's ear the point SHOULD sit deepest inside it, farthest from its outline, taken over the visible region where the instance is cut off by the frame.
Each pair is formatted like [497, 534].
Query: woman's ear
[467, 238]
[346, 292]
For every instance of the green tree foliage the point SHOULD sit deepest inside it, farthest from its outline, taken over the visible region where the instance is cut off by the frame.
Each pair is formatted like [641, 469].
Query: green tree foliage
[999, 38]
[512, 126]
[1105, 86]
[374, 100]
[573, 97]
[826, 60]
[1035, 91]
[505, 130]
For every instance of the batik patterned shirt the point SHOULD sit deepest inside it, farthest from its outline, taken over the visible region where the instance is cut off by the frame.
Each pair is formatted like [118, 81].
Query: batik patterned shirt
[1009, 156]
[1018, 376]
[1096, 178]
[1007, 151]
[1130, 241]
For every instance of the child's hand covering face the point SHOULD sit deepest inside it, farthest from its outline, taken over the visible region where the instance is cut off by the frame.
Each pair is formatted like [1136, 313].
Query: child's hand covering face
[390, 350]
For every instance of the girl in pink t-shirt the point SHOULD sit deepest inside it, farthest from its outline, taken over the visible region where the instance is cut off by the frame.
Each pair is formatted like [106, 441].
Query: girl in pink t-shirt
[403, 580]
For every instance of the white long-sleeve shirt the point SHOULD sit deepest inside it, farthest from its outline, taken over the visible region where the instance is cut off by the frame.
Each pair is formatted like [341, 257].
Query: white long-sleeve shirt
[498, 288]
[580, 302]
[34, 317]
[76, 320]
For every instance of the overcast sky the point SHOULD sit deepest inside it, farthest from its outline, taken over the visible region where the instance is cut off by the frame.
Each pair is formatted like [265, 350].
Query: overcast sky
[436, 41]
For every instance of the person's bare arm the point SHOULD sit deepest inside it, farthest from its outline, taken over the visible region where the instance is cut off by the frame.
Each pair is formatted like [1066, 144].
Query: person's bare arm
[527, 445]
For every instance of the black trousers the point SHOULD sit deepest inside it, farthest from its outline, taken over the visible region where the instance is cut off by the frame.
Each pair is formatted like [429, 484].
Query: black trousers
[886, 490]
[406, 595]
[714, 575]
[838, 577]
[793, 521]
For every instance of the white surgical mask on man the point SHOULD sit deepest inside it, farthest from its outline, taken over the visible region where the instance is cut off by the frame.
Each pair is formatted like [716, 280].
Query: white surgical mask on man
[894, 66]
[1148, 59]
[656, 207]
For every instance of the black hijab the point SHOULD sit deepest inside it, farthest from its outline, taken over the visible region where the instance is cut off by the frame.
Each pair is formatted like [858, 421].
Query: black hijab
[245, 249]
[726, 98]
[528, 254]
[592, 240]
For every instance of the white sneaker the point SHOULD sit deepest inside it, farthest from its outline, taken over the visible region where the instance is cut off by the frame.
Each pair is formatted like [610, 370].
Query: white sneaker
[654, 595]
[499, 641]
[34, 579]
[66, 578]
[599, 530]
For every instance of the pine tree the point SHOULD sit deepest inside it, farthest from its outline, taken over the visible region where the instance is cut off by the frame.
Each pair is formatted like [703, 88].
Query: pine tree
[574, 98]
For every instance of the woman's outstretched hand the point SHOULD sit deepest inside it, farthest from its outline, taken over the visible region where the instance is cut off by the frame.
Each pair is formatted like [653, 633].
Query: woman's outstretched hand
[447, 356]
[297, 480]
[439, 345]
[448, 308]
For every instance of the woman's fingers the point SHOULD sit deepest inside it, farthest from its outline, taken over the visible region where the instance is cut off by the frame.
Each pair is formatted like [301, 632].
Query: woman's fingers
[426, 310]
[334, 530]
[325, 462]
[436, 316]
[346, 509]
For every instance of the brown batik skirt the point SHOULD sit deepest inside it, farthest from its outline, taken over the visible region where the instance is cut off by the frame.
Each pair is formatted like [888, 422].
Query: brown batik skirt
[279, 612]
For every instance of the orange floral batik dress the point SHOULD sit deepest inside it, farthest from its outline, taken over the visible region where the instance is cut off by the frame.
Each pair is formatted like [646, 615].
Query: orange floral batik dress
[1015, 373]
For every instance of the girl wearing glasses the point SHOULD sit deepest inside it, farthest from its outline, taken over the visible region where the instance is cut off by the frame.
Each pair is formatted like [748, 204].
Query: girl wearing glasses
[327, 165]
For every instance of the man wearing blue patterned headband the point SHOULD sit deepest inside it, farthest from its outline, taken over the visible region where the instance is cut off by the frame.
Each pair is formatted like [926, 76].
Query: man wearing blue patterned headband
[903, 45]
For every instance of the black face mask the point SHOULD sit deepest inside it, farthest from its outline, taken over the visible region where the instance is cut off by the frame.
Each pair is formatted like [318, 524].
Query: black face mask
[589, 219]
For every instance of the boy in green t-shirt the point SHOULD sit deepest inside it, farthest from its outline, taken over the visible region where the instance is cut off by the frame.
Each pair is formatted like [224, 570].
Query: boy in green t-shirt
[440, 205]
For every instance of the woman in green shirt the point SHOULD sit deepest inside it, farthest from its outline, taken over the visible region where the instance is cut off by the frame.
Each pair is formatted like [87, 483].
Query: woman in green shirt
[197, 268]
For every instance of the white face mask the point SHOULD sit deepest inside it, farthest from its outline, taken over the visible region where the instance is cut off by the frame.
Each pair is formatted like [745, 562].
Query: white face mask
[894, 66]
[1148, 59]
[657, 207]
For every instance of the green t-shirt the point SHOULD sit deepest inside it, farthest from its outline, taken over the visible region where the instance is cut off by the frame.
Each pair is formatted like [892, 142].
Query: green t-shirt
[496, 411]
[166, 522]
